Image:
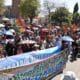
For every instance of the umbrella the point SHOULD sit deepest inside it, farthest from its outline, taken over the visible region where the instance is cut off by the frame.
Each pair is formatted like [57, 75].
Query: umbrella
[67, 38]
[1, 25]
[12, 30]
[27, 42]
[8, 33]
[5, 19]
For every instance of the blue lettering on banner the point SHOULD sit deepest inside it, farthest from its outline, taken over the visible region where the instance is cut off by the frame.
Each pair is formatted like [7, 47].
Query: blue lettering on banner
[43, 69]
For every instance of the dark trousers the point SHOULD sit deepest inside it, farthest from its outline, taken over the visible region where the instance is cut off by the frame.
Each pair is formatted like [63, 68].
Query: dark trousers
[74, 54]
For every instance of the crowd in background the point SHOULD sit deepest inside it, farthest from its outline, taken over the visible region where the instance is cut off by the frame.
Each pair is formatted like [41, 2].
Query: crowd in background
[44, 36]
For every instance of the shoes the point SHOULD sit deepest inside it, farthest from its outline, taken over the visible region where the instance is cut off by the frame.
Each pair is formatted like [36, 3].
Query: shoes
[73, 60]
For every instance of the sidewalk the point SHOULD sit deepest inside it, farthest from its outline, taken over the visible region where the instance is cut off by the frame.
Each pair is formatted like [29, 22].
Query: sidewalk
[71, 66]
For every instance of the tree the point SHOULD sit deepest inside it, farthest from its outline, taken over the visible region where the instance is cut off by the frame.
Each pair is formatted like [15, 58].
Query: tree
[75, 8]
[61, 15]
[76, 16]
[1, 7]
[29, 8]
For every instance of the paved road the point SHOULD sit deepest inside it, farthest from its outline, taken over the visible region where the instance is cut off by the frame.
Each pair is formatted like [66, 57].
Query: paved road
[71, 66]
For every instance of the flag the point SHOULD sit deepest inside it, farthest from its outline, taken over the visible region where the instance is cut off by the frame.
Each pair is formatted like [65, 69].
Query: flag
[22, 22]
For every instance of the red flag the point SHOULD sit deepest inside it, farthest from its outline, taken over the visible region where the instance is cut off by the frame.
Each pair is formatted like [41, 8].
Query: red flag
[22, 22]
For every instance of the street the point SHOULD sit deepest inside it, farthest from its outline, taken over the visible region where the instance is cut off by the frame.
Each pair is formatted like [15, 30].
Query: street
[71, 66]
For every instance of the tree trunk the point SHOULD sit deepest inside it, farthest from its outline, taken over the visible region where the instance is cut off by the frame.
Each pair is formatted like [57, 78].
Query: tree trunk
[31, 19]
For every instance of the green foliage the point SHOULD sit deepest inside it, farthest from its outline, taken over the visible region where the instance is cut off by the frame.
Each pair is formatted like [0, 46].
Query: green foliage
[29, 8]
[61, 15]
[1, 6]
[75, 8]
[76, 18]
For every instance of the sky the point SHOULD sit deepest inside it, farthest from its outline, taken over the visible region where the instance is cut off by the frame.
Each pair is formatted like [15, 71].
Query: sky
[68, 3]
[8, 2]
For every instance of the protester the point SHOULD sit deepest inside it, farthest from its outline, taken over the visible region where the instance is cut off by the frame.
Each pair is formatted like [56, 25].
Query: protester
[16, 41]
[35, 47]
[9, 48]
[43, 44]
[74, 51]
[64, 45]
[43, 39]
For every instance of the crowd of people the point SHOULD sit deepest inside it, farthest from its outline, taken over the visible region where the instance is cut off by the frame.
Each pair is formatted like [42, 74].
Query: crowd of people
[38, 37]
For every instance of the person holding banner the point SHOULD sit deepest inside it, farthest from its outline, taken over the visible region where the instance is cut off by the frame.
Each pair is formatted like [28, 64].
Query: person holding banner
[9, 48]
[64, 45]
[16, 41]
[74, 51]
